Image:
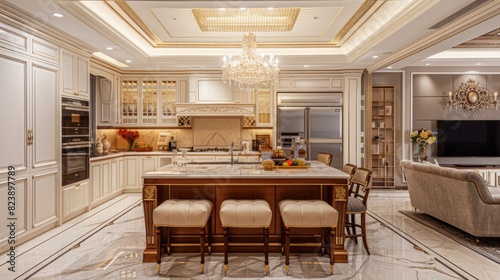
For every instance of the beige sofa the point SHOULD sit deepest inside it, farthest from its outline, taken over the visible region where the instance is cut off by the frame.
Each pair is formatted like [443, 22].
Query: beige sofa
[458, 197]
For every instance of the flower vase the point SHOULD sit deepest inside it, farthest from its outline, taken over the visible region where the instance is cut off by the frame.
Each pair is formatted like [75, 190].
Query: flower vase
[131, 144]
[423, 154]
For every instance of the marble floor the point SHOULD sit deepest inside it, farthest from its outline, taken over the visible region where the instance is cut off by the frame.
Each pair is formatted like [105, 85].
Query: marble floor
[106, 243]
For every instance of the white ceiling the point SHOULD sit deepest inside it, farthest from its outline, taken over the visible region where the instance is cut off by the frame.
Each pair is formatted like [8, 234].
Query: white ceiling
[327, 35]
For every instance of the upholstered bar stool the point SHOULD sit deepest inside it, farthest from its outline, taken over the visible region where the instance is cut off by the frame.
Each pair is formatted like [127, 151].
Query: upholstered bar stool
[307, 214]
[183, 213]
[246, 214]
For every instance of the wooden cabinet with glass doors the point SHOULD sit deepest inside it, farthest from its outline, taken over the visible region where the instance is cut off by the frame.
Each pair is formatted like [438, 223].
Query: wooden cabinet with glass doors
[151, 102]
[383, 133]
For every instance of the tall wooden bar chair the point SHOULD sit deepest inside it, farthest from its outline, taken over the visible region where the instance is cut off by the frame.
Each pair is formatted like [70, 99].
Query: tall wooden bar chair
[325, 158]
[183, 213]
[356, 204]
[349, 169]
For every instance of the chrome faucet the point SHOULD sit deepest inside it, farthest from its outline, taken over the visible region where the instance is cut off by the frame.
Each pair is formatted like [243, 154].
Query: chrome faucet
[231, 151]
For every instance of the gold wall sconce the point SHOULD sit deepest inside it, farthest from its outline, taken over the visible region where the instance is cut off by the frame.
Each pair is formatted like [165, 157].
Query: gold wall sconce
[472, 96]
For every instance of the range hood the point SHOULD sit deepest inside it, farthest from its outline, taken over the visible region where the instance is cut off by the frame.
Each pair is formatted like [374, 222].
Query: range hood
[215, 109]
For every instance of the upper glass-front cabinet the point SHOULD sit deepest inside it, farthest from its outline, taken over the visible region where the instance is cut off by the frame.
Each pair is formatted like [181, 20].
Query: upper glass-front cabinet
[150, 102]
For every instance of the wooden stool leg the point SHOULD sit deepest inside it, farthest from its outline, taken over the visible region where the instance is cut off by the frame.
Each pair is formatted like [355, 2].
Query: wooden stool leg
[202, 249]
[158, 249]
[210, 235]
[363, 231]
[226, 248]
[168, 241]
[266, 250]
[353, 223]
[332, 256]
[282, 238]
[287, 249]
[323, 241]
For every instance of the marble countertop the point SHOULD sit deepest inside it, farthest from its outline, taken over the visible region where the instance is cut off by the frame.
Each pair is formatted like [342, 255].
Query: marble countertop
[94, 158]
[316, 170]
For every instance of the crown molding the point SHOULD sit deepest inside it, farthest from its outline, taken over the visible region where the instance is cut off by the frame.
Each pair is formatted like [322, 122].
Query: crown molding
[483, 13]
[16, 17]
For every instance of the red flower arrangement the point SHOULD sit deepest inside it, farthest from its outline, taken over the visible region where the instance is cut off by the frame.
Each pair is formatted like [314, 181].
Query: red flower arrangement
[129, 135]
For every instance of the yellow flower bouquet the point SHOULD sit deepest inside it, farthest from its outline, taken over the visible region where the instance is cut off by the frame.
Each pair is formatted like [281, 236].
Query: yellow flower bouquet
[423, 138]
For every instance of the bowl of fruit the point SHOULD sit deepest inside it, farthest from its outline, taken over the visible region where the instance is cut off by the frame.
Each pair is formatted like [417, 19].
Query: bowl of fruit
[278, 155]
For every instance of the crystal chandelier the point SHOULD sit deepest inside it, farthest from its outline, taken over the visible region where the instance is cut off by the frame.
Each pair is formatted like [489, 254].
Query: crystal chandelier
[250, 69]
[472, 96]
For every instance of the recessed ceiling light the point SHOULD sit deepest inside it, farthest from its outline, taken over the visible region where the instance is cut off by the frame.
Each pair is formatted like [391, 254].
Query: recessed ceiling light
[128, 60]
[427, 64]
[109, 48]
[243, 8]
[58, 15]
[270, 8]
[306, 66]
[222, 9]
[479, 63]
[375, 56]
[389, 67]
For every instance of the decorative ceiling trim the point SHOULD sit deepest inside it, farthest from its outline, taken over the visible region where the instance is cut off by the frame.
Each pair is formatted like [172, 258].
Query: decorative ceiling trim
[488, 40]
[142, 28]
[246, 20]
[363, 9]
[137, 20]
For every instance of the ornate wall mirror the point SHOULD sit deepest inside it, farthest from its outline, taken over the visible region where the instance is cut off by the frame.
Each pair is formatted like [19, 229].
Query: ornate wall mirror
[472, 96]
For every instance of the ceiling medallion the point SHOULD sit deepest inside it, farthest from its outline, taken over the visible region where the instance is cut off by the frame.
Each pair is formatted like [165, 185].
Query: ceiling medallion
[246, 20]
[471, 96]
[250, 69]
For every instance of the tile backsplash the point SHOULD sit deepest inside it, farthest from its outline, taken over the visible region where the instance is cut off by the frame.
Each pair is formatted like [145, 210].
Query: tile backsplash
[206, 132]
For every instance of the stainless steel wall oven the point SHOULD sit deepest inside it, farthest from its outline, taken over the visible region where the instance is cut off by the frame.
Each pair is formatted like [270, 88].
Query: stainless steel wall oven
[75, 140]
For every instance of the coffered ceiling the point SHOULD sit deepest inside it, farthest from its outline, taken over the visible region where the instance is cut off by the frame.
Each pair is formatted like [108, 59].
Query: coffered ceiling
[318, 35]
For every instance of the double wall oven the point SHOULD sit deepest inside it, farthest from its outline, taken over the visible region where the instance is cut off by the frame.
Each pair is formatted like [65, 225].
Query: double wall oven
[75, 140]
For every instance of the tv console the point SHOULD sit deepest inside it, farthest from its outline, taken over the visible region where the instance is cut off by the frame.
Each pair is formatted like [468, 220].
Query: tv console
[473, 162]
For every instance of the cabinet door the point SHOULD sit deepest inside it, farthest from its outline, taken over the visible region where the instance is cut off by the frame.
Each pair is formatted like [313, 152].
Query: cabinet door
[95, 181]
[121, 173]
[263, 105]
[149, 99]
[68, 73]
[131, 173]
[46, 147]
[148, 163]
[21, 208]
[130, 101]
[105, 178]
[45, 203]
[82, 76]
[75, 198]
[14, 108]
[113, 175]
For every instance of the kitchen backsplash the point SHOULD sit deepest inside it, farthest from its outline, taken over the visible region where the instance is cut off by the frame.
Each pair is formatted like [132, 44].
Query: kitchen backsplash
[206, 132]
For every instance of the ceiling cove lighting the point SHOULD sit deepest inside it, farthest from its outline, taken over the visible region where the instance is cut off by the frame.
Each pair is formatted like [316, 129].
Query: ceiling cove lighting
[250, 70]
[246, 19]
[59, 15]
[472, 96]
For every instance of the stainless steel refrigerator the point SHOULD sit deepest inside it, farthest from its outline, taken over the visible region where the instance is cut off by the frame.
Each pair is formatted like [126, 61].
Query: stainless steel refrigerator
[319, 126]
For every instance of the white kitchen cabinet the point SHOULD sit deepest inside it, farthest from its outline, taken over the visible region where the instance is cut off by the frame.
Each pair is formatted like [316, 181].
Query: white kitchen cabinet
[22, 210]
[164, 160]
[75, 199]
[121, 173]
[131, 177]
[44, 210]
[152, 101]
[74, 75]
[95, 181]
[31, 119]
[104, 180]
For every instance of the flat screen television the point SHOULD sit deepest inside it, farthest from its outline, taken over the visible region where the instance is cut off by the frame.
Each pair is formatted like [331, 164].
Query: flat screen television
[468, 138]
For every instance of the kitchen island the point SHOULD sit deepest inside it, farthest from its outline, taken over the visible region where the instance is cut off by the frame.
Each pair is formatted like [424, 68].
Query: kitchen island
[217, 182]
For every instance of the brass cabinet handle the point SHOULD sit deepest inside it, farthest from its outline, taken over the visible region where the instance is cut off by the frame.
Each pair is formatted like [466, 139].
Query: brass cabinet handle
[77, 93]
[30, 137]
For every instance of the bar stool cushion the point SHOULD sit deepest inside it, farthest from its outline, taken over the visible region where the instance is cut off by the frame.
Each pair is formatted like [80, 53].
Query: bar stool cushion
[245, 213]
[308, 213]
[355, 205]
[182, 213]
